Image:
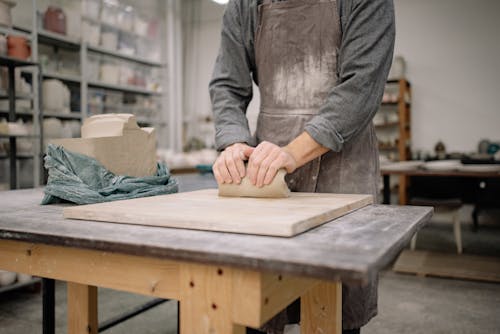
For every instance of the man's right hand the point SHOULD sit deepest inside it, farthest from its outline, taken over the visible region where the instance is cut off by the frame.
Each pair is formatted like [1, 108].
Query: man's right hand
[230, 166]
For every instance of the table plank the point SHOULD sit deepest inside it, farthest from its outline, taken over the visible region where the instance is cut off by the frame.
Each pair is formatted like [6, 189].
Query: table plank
[205, 210]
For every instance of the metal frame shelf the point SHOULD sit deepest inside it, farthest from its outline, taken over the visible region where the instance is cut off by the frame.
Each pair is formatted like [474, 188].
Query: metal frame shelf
[117, 54]
[122, 88]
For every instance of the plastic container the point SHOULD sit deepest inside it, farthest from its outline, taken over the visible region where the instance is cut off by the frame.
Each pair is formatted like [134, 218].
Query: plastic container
[109, 39]
[127, 44]
[125, 18]
[91, 32]
[91, 9]
[109, 72]
[93, 67]
[140, 25]
[109, 13]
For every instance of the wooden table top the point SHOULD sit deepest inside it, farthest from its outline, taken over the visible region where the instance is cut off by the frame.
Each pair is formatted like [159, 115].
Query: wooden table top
[352, 248]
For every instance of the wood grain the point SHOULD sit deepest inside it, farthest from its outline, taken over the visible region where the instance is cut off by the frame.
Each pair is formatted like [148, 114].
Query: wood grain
[271, 292]
[148, 276]
[206, 300]
[204, 210]
[321, 309]
[82, 309]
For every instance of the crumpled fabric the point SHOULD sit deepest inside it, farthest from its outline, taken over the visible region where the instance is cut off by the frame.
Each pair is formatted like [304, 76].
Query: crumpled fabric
[80, 179]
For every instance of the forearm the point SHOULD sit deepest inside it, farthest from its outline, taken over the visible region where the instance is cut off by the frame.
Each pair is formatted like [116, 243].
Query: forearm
[304, 149]
[231, 85]
[363, 64]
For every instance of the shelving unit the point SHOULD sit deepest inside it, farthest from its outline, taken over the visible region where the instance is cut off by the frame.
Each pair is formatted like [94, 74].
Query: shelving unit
[393, 126]
[123, 88]
[12, 64]
[81, 85]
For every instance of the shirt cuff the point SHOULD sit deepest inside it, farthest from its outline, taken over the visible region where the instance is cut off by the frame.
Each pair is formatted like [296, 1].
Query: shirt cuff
[230, 135]
[323, 132]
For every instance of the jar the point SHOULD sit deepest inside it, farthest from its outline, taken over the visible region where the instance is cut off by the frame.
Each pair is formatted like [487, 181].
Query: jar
[18, 47]
[54, 20]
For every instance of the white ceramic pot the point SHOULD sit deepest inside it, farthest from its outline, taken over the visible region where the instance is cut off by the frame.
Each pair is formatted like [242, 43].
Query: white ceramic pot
[110, 73]
[109, 40]
[5, 12]
[56, 96]
[23, 278]
[7, 277]
[52, 128]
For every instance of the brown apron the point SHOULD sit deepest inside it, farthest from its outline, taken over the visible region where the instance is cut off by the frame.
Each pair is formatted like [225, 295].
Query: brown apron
[296, 49]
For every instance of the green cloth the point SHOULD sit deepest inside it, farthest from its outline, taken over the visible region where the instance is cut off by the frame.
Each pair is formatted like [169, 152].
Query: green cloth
[81, 179]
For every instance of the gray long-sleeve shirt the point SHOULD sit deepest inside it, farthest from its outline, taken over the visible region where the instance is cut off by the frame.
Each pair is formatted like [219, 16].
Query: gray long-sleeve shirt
[365, 56]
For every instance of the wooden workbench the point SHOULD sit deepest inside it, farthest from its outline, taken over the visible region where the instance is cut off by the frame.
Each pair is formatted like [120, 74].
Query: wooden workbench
[224, 281]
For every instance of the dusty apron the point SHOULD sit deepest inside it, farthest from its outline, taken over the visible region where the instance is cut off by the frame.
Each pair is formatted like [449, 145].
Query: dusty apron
[296, 50]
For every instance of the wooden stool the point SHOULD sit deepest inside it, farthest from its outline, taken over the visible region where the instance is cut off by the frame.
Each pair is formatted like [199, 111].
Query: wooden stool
[449, 205]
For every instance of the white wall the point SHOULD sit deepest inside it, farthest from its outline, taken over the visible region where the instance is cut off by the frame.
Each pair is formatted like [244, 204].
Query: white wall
[452, 51]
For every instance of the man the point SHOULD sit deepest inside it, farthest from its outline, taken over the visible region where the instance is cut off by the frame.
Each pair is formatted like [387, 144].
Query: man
[321, 67]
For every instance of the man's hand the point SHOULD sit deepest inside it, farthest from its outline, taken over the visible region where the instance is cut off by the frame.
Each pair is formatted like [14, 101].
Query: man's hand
[265, 160]
[229, 166]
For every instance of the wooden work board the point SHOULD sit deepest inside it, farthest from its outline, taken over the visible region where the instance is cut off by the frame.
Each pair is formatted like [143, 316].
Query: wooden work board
[205, 210]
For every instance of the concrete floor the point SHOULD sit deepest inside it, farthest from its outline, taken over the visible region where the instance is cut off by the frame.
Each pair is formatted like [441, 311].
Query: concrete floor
[407, 304]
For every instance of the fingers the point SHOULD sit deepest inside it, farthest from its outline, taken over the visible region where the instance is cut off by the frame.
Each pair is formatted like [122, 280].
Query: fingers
[264, 163]
[229, 166]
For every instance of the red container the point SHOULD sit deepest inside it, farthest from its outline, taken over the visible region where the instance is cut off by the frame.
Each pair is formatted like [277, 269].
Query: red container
[54, 20]
[18, 47]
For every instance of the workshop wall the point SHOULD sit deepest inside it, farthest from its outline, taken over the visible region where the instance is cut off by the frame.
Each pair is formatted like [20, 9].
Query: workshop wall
[452, 55]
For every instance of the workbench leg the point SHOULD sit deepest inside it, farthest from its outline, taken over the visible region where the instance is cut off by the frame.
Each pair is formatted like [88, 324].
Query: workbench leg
[48, 309]
[82, 309]
[321, 309]
[206, 301]
[387, 189]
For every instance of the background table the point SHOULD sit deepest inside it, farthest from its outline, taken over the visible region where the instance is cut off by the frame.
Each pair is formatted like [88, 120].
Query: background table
[480, 189]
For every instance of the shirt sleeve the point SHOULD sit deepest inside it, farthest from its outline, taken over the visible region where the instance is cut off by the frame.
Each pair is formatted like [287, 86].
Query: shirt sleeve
[364, 61]
[231, 84]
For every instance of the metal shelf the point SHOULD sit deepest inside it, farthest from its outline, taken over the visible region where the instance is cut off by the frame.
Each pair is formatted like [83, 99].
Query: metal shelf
[15, 31]
[62, 77]
[19, 136]
[19, 156]
[121, 88]
[72, 115]
[16, 62]
[48, 37]
[5, 113]
[118, 54]
[21, 96]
